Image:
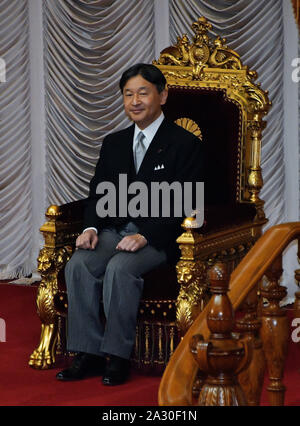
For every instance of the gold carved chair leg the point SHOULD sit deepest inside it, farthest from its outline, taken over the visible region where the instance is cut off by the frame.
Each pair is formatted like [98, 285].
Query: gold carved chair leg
[49, 264]
[43, 356]
[51, 260]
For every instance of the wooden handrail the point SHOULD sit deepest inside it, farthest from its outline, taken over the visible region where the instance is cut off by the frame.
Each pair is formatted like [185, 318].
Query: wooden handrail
[177, 382]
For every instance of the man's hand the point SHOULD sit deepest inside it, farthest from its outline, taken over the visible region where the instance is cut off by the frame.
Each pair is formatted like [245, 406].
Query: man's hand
[132, 243]
[87, 240]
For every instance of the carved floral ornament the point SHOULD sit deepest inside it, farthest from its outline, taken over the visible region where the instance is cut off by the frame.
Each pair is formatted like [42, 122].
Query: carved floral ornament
[190, 125]
[209, 60]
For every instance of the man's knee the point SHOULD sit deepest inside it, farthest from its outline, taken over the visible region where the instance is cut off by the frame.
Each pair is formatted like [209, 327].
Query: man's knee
[120, 268]
[133, 264]
[113, 268]
[124, 277]
[121, 283]
[74, 265]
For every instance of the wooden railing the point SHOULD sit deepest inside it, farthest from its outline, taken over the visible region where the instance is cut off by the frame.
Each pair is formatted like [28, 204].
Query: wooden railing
[264, 331]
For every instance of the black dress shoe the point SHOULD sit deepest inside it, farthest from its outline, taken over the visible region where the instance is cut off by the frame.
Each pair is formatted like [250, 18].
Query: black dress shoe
[116, 371]
[83, 365]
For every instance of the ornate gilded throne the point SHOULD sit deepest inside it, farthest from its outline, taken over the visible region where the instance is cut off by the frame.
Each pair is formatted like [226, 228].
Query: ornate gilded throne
[214, 95]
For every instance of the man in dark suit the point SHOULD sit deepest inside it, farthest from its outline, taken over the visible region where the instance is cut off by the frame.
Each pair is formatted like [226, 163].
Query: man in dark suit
[114, 252]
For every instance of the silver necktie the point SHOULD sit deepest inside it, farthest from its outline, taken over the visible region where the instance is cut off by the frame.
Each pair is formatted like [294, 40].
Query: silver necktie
[139, 151]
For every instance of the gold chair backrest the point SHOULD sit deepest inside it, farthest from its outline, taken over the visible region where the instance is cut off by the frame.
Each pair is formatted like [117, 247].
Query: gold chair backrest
[207, 62]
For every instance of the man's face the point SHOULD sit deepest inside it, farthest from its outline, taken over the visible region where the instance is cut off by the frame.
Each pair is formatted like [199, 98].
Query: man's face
[142, 102]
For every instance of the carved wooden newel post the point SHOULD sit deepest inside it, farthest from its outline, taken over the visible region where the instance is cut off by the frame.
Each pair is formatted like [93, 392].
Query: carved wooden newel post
[275, 332]
[224, 355]
[252, 378]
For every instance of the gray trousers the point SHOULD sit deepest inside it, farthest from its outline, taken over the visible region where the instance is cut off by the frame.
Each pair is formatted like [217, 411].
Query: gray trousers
[114, 276]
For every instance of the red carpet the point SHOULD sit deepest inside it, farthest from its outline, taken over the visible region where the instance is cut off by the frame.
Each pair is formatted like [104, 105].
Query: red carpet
[23, 386]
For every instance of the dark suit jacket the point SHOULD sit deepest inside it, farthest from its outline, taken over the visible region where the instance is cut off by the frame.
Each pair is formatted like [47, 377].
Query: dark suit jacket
[178, 150]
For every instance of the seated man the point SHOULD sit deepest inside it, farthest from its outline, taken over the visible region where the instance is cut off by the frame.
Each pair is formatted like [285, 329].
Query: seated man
[114, 251]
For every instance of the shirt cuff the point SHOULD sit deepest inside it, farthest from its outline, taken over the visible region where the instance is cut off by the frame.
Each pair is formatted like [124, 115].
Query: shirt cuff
[95, 229]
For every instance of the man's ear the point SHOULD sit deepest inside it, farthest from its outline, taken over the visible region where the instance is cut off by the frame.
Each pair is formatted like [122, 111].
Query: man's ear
[163, 96]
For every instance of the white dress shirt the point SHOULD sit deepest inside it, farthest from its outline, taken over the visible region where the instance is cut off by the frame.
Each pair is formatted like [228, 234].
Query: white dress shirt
[149, 133]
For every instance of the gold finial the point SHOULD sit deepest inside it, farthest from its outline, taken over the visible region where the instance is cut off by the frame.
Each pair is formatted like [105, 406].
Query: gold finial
[190, 223]
[53, 212]
[201, 26]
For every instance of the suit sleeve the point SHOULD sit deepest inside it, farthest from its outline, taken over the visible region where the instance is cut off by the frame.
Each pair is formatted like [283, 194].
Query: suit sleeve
[162, 231]
[91, 219]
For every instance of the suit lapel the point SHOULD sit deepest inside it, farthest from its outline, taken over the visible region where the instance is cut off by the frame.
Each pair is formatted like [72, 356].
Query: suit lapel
[125, 151]
[158, 144]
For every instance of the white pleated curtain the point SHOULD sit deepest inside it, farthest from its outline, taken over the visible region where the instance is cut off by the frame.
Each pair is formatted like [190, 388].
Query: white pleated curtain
[255, 30]
[88, 45]
[15, 147]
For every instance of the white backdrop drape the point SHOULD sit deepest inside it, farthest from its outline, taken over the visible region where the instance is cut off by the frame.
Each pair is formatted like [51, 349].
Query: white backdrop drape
[87, 45]
[15, 147]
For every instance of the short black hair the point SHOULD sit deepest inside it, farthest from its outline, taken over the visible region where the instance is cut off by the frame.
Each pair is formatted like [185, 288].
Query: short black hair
[148, 71]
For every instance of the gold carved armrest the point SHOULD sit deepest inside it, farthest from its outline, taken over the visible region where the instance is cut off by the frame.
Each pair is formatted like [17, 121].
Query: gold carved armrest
[63, 225]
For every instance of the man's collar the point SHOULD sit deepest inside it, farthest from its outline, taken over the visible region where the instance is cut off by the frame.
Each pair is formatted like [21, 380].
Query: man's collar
[151, 130]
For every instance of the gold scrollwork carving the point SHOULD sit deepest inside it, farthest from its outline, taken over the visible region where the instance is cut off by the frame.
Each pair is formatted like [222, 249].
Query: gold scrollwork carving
[192, 295]
[223, 57]
[201, 52]
[50, 262]
[206, 61]
[177, 54]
